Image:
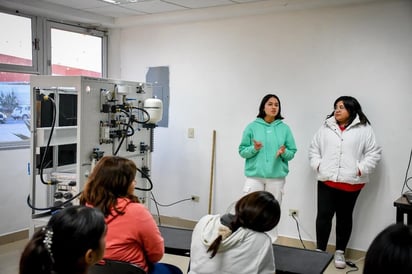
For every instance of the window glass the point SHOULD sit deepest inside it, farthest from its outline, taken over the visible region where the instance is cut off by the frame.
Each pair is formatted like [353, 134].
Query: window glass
[15, 44]
[14, 108]
[82, 55]
[73, 50]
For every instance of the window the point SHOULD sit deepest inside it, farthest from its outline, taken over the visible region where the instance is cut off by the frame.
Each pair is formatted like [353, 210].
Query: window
[82, 56]
[39, 46]
[18, 58]
[16, 48]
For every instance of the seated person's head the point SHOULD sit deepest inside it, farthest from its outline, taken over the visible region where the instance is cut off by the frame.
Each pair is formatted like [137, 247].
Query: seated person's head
[113, 177]
[390, 251]
[259, 211]
[116, 174]
[73, 239]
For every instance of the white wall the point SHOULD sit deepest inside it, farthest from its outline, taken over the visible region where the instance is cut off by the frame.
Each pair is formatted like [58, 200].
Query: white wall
[14, 181]
[220, 70]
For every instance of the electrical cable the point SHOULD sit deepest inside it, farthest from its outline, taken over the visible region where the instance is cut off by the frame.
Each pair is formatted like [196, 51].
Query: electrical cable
[77, 195]
[146, 177]
[52, 208]
[352, 264]
[126, 130]
[174, 203]
[129, 125]
[144, 111]
[41, 167]
[354, 268]
[121, 141]
[297, 225]
[405, 183]
[157, 204]
[157, 208]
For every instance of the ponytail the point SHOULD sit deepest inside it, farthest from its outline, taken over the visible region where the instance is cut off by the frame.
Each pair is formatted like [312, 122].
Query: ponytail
[215, 246]
[258, 211]
[229, 225]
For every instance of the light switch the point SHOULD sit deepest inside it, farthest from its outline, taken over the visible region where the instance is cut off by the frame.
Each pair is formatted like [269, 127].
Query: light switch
[190, 132]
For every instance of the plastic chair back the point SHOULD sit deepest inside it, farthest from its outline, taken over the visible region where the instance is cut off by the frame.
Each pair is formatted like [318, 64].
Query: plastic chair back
[116, 267]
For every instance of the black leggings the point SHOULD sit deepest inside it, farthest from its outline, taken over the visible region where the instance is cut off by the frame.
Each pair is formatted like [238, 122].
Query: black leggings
[331, 201]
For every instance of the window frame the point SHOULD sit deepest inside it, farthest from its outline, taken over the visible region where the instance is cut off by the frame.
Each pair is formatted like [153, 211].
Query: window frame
[52, 24]
[41, 53]
[34, 68]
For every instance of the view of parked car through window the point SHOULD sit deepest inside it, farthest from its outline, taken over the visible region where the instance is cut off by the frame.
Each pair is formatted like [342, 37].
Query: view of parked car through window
[3, 118]
[21, 112]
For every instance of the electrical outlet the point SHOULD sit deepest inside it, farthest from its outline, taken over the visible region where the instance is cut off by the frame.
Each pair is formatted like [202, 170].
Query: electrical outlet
[195, 198]
[294, 212]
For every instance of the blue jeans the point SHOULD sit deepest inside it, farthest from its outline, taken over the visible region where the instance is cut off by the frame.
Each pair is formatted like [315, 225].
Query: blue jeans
[163, 268]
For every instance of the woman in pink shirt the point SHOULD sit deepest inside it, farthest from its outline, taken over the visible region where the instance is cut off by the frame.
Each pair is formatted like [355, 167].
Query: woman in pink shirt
[132, 234]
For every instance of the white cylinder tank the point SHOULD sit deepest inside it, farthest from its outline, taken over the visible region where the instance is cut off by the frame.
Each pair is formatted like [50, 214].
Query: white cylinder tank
[154, 107]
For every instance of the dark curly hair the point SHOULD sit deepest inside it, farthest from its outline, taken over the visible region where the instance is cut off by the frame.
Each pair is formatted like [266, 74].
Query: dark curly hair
[353, 107]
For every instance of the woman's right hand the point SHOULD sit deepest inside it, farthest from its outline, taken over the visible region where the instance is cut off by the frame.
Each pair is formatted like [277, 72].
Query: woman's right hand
[257, 145]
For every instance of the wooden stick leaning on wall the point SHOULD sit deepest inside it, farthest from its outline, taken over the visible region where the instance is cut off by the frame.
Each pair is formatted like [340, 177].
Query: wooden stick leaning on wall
[212, 171]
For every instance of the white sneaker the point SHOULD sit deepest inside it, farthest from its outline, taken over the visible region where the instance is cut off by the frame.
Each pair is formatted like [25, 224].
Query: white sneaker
[340, 261]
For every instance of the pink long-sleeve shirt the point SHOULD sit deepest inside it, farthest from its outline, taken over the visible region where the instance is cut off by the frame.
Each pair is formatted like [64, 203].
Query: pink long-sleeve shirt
[133, 237]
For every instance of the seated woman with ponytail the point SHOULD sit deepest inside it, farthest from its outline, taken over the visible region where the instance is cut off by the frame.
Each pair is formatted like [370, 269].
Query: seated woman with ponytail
[237, 243]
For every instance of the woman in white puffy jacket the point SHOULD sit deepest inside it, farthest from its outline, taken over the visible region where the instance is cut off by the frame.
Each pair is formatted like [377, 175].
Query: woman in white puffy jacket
[343, 152]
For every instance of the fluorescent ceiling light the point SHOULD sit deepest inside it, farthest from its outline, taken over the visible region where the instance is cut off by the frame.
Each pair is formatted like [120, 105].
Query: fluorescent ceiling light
[117, 2]
[111, 1]
[124, 1]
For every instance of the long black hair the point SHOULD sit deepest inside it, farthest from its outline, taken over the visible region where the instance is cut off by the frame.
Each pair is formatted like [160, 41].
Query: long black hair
[262, 114]
[60, 247]
[353, 107]
[390, 251]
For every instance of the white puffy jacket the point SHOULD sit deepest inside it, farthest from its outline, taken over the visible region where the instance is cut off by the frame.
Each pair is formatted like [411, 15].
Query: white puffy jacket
[244, 252]
[338, 155]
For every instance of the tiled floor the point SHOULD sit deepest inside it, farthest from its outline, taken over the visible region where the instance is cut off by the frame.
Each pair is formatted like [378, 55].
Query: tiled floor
[10, 255]
[182, 263]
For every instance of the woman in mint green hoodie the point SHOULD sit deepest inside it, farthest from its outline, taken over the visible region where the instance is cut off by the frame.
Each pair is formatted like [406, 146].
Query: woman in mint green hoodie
[267, 146]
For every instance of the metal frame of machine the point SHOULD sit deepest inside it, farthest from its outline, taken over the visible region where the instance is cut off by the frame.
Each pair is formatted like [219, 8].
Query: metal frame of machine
[76, 120]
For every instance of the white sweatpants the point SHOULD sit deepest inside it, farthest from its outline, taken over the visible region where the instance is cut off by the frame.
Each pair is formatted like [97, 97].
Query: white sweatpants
[272, 185]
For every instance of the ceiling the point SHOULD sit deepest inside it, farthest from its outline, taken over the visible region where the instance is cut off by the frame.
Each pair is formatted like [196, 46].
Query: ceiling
[122, 8]
[121, 12]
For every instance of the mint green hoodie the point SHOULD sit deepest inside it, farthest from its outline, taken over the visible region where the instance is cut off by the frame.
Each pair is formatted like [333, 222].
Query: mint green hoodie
[264, 163]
